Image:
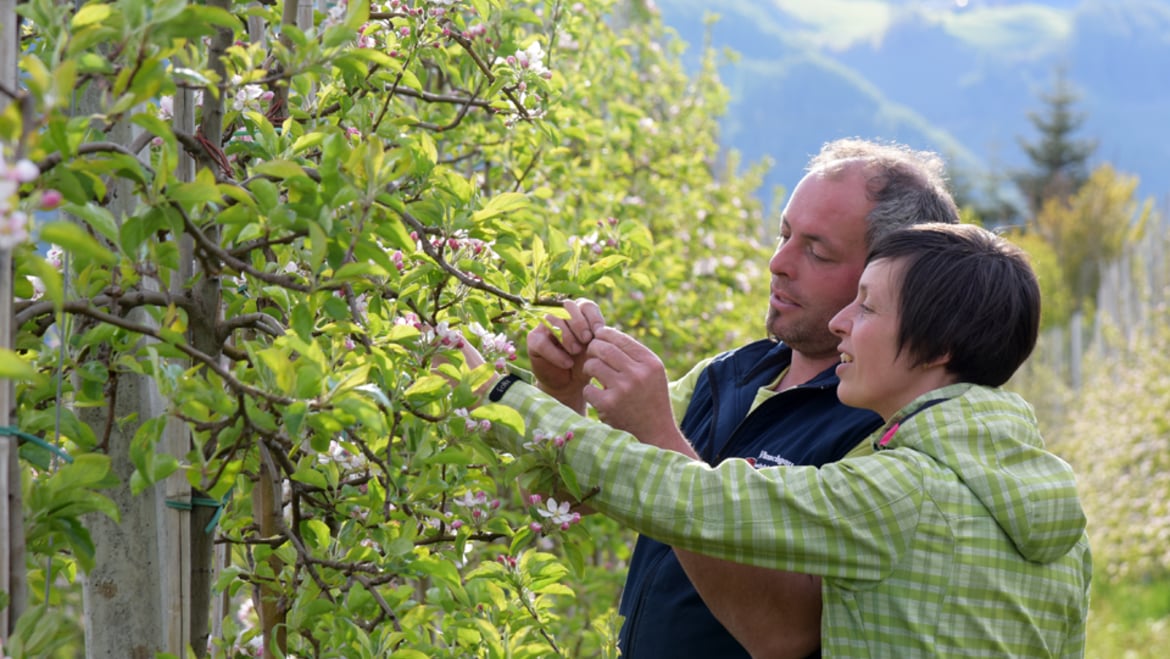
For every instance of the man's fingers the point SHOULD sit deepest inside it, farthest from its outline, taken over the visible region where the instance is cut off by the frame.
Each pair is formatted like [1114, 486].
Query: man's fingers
[592, 314]
[598, 399]
[578, 323]
[601, 370]
[625, 345]
[543, 344]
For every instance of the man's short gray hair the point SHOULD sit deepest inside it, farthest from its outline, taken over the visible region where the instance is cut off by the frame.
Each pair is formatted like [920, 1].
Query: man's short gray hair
[907, 186]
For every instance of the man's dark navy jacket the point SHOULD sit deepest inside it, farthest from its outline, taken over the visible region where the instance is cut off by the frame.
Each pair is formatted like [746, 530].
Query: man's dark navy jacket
[664, 615]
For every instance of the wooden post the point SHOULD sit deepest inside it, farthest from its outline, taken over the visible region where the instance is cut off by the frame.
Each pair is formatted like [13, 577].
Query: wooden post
[12, 573]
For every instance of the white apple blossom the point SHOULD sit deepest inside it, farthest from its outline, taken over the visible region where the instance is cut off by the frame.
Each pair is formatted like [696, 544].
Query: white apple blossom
[13, 222]
[532, 58]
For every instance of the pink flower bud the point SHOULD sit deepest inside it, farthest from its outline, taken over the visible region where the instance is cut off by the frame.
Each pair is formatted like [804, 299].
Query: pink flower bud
[51, 199]
[536, 527]
[404, 31]
[535, 499]
[457, 524]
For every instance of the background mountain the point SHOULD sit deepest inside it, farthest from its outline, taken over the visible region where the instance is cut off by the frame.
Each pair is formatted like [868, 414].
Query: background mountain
[956, 77]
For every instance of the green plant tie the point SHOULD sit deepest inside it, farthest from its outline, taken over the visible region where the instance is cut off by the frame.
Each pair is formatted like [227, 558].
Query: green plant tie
[205, 502]
[12, 431]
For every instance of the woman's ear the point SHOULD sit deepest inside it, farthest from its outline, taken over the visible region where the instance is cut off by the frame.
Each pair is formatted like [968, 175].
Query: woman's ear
[937, 361]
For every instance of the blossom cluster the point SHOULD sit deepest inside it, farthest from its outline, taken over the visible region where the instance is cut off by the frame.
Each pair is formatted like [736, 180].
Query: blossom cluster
[555, 514]
[477, 505]
[14, 222]
[605, 237]
[540, 439]
[496, 348]
[343, 457]
[470, 424]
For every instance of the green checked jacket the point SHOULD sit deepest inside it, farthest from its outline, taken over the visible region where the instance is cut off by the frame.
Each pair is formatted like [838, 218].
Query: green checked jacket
[959, 536]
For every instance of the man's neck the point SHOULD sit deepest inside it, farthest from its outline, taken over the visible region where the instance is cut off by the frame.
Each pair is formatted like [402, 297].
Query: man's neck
[802, 369]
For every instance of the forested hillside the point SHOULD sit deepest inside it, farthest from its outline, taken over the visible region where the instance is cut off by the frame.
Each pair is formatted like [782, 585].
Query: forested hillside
[957, 79]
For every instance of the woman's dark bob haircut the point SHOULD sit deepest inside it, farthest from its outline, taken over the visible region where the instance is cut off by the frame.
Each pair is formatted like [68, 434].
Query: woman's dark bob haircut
[966, 293]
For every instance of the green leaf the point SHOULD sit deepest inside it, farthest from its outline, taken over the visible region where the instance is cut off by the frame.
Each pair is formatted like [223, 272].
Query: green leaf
[441, 570]
[426, 389]
[90, 15]
[316, 533]
[14, 367]
[203, 190]
[358, 14]
[351, 271]
[281, 169]
[307, 473]
[77, 241]
[86, 470]
[99, 219]
[500, 415]
[306, 142]
[569, 477]
[499, 204]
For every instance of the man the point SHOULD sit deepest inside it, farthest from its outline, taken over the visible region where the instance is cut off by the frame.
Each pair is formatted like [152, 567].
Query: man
[770, 402]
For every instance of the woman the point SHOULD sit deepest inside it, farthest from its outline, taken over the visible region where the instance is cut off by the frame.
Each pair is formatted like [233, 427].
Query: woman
[959, 535]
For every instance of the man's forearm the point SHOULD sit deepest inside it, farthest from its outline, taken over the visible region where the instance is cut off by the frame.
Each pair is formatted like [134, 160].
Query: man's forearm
[773, 614]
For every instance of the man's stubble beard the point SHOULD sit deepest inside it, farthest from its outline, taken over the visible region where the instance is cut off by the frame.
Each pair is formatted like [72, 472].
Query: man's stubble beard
[808, 337]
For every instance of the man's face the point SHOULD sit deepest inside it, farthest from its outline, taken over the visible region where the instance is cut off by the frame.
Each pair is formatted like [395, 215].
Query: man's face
[818, 260]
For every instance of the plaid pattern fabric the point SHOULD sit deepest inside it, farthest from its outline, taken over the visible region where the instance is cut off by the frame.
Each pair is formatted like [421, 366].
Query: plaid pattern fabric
[960, 537]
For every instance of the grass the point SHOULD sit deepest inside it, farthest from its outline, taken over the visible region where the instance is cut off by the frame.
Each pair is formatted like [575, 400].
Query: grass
[1129, 621]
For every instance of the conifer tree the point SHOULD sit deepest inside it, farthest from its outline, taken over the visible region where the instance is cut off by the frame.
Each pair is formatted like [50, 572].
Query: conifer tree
[1059, 161]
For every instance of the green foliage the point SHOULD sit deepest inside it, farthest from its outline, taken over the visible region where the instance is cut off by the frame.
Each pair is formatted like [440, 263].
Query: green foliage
[1091, 227]
[1119, 443]
[388, 175]
[1115, 432]
[1056, 306]
[1131, 619]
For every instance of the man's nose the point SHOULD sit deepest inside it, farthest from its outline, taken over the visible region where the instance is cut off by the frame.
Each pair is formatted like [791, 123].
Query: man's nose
[781, 261]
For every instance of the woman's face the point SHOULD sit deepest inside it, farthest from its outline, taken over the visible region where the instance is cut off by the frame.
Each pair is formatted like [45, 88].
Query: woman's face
[873, 375]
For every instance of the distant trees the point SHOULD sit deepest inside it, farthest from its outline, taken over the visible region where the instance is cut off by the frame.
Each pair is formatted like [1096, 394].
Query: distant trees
[1084, 217]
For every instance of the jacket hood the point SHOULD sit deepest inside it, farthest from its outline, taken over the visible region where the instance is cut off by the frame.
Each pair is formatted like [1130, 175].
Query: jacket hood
[990, 439]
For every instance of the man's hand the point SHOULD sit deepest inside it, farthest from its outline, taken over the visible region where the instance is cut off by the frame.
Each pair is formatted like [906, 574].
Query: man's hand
[557, 362]
[633, 395]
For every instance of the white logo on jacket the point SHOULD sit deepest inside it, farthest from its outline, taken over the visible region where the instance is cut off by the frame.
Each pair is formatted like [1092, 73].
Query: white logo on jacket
[766, 459]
